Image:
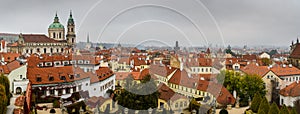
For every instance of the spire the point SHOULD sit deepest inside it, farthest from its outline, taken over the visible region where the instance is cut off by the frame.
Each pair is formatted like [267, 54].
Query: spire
[56, 20]
[88, 38]
[292, 42]
[70, 13]
[70, 20]
[297, 40]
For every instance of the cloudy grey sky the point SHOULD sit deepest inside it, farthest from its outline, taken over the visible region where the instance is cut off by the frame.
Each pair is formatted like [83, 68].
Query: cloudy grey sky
[191, 22]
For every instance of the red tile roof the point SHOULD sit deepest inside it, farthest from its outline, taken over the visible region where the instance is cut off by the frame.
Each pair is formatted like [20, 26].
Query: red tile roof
[296, 52]
[292, 90]
[102, 74]
[165, 92]
[253, 68]
[20, 101]
[69, 72]
[38, 38]
[279, 70]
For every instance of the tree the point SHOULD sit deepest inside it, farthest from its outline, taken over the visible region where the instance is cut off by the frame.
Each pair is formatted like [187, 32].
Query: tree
[251, 84]
[264, 106]
[255, 102]
[284, 110]
[293, 111]
[297, 104]
[245, 85]
[273, 109]
[140, 96]
[266, 61]
[3, 100]
[5, 82]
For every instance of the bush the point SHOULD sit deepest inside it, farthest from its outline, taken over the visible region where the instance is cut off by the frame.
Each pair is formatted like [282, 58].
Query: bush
[56, 104]
[273, 109]
[255, 102]
[264, 106]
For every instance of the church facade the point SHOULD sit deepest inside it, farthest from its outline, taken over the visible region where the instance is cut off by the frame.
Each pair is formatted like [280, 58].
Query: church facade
[57, 41]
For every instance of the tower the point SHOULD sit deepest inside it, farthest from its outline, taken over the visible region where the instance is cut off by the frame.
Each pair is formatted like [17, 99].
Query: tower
[56, 30]
[71, 36]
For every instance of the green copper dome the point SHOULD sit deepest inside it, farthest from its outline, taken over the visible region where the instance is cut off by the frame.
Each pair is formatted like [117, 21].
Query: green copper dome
[56, 23]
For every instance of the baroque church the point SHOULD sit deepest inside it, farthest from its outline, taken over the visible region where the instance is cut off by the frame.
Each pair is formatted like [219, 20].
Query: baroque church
[57, 41]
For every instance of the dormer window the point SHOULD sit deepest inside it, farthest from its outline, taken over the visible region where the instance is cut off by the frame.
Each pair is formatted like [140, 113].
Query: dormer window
[65, 62]
[87, 62]
[80, 61]
[38, 78]
[51, 78]
[71, 76]
[41, 64]
[73, 62]
[77, 75]
[62, 77]
[57, 63]
[48, 64]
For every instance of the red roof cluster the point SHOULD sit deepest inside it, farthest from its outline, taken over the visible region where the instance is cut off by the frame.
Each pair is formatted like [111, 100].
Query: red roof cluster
[293, 90]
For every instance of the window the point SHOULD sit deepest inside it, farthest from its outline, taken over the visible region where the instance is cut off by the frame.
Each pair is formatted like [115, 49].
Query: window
[52, 92]
[38, 79]
[60, 35]
[45, 50]
[21, 76]
[53, 34]
[68, 90]
[176, 105]
[51, 78]
[79, 87]
[86, 84]
[62, 77]
[71, 76]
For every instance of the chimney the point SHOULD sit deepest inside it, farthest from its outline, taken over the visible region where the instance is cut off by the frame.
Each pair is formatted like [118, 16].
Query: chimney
[283, 65]
[181, 66]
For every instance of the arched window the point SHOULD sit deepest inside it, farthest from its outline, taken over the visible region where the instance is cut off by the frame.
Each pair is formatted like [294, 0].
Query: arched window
[51, 50]
[62, 49]
[60, 35]
[57, 50]
[38, 50]
[54, 34]
[45, 50]
[72, 29]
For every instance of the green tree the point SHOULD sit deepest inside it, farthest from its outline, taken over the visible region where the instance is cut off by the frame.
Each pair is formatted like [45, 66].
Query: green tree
[255, 102]
[140, 96]
[3, 100]
[293, 111]
[284, 110]
[266, 61]
[245, 85]
[264, 106]
[273, 109]
[251, 84]
[5, 82]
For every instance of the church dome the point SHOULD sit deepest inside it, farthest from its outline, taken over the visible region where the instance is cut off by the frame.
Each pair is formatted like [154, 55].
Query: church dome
[56, 25]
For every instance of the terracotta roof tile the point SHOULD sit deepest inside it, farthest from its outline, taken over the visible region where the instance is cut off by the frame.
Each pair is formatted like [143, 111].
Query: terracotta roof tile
[296, 52]
[38, 38]
[292, 90]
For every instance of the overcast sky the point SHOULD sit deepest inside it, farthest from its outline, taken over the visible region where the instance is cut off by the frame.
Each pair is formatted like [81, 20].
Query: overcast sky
[191, 22]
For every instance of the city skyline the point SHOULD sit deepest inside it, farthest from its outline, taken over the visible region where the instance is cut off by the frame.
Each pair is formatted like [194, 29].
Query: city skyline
[241, 22]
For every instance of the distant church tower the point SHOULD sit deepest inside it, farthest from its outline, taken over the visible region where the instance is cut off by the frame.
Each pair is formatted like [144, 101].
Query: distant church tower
[56, 30]
[71, 36]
